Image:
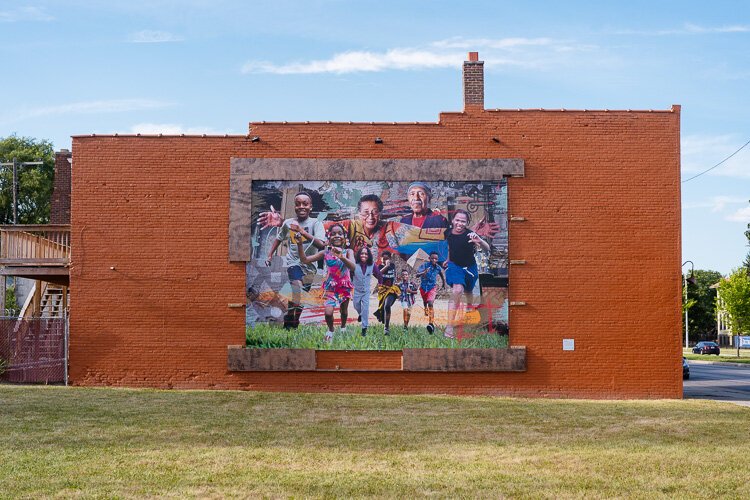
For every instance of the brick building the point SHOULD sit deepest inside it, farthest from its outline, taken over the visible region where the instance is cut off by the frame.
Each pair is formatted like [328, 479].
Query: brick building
[594, 235]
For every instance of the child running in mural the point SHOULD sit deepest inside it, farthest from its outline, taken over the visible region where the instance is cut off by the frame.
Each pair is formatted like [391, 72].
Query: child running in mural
[461, 267]
[337, 287]
[364, 270]
[388, 291]
[407, 295]
[306, 235]
[428, 273]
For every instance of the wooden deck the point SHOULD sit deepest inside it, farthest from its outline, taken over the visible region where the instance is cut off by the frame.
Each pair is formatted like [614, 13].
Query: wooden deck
[36, 251]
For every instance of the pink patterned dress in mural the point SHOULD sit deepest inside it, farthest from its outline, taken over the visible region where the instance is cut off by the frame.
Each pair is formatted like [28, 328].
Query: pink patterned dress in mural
[338, 286]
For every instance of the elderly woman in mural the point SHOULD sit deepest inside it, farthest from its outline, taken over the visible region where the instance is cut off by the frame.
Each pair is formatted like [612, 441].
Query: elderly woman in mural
[369, 230]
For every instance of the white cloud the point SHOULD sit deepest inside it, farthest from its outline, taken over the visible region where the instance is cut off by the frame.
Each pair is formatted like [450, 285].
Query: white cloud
[689, 29]
[448, 53]
[492, 43]
[356, 61]
[701, 152]
[24, 14]
[717, 203]
[149, 36]
[87, 107]
[172, 129]
[738, 28]
[741, 215]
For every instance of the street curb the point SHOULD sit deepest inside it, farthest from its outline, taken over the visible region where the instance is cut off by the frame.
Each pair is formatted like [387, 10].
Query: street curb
[724, 363]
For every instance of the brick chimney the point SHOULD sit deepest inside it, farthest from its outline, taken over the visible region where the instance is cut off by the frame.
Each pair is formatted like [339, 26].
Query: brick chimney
[59, 212]
[473, 83]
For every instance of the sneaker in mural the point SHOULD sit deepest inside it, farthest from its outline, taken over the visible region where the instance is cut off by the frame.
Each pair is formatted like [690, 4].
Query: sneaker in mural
[449, 332]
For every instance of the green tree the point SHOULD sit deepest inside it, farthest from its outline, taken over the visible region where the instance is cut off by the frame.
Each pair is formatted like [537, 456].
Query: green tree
[701, 304]
[34, 182]
[735, 293]
[11, 301]
[747, 257]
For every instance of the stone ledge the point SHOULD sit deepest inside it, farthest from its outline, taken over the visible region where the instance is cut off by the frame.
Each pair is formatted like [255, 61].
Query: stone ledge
[240, 359]
[512, 359]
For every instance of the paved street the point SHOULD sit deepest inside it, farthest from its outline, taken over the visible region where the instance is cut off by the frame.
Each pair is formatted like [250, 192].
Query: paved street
[720, 381]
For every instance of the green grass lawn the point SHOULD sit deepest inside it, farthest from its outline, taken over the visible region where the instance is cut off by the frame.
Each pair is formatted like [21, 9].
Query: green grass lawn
[728, 355]
[74, 442]
[312, 337]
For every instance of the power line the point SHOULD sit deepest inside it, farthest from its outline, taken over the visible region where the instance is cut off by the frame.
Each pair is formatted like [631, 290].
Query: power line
[722, 161]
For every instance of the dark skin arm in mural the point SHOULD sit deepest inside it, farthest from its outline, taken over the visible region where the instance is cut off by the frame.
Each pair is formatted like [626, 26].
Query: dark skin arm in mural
[482, 227]
[315, 241]
[276, 243]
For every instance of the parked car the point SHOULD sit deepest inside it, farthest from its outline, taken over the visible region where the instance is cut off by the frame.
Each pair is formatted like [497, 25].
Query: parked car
[706, 348]
[685, 369]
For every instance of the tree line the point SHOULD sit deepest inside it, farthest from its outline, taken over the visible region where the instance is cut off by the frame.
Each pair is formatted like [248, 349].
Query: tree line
[701, 299]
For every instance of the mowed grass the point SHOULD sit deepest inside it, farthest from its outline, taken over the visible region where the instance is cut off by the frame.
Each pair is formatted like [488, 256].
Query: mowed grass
[76, 442]
[313, 337]
[728, 355]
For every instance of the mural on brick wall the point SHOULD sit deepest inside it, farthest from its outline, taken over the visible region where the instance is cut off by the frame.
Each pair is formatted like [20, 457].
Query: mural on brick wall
[378, 265]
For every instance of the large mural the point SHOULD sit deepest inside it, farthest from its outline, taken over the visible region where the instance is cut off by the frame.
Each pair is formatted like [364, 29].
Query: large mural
[378, 265]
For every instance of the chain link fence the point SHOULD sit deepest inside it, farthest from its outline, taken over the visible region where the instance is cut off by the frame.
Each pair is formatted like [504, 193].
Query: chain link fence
[33, 350]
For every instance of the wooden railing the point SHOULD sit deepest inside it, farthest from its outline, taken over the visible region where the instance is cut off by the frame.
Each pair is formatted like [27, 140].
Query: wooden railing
[35, 245]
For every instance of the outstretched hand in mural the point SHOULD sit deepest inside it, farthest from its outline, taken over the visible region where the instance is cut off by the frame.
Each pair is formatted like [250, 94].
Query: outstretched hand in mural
[484, 228]
[270, 219]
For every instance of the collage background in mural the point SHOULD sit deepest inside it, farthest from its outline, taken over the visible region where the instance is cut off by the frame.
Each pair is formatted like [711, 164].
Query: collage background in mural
[483, 324]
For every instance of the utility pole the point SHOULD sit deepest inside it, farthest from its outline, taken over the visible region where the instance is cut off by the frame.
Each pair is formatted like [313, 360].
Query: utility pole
[685, 282]
[16, 165]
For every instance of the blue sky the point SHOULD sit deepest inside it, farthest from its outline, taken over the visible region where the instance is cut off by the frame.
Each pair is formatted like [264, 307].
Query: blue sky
[78, 67]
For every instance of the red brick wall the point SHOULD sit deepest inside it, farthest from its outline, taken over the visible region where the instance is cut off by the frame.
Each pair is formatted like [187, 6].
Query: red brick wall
[60, 205]
[602, 240]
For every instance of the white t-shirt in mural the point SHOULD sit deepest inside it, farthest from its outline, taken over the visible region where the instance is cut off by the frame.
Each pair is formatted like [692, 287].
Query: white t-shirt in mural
[312, 226]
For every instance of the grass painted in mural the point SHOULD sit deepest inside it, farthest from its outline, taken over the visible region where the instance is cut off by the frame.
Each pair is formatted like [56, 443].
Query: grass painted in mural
[428, 259]
[65, 442]
[313, 337]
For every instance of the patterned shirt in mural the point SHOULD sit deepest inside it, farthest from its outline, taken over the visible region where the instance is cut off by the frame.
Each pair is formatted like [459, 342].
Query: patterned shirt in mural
[408, 292]
[338, 284]
[389, 274]
[358, 238]
[312, 226]
[429, 278]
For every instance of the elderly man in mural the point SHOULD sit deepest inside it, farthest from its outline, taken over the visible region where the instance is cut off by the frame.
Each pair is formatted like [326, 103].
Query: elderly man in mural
[420, 197]
[422, 215]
